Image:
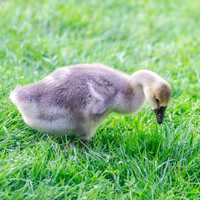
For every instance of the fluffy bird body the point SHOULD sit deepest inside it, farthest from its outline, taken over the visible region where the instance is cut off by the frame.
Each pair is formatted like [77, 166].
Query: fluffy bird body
[75, 99]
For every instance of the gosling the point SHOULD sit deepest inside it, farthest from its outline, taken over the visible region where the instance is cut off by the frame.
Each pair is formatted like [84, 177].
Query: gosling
[75, 99]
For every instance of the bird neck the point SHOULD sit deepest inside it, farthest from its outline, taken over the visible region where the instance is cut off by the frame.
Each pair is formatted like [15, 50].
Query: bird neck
[143, 78]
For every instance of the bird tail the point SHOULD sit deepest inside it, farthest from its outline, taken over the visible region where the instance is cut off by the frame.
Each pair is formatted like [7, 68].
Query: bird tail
[15, 96]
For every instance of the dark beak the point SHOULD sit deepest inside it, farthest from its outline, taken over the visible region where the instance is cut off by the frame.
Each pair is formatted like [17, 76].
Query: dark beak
[160, 114]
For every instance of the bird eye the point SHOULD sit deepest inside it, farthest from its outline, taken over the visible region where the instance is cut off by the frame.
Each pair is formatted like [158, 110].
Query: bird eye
[157, 100]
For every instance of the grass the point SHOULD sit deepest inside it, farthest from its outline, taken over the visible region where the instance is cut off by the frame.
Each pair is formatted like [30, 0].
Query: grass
[131, 157]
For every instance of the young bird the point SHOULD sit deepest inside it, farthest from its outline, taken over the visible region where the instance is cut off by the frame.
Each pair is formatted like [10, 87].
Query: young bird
[75, 99]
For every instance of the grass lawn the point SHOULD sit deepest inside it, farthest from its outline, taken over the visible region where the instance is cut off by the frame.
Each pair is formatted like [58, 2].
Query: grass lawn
[131, 157]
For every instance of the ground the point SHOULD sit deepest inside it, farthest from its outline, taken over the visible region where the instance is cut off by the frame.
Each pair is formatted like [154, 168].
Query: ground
[131, 157]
